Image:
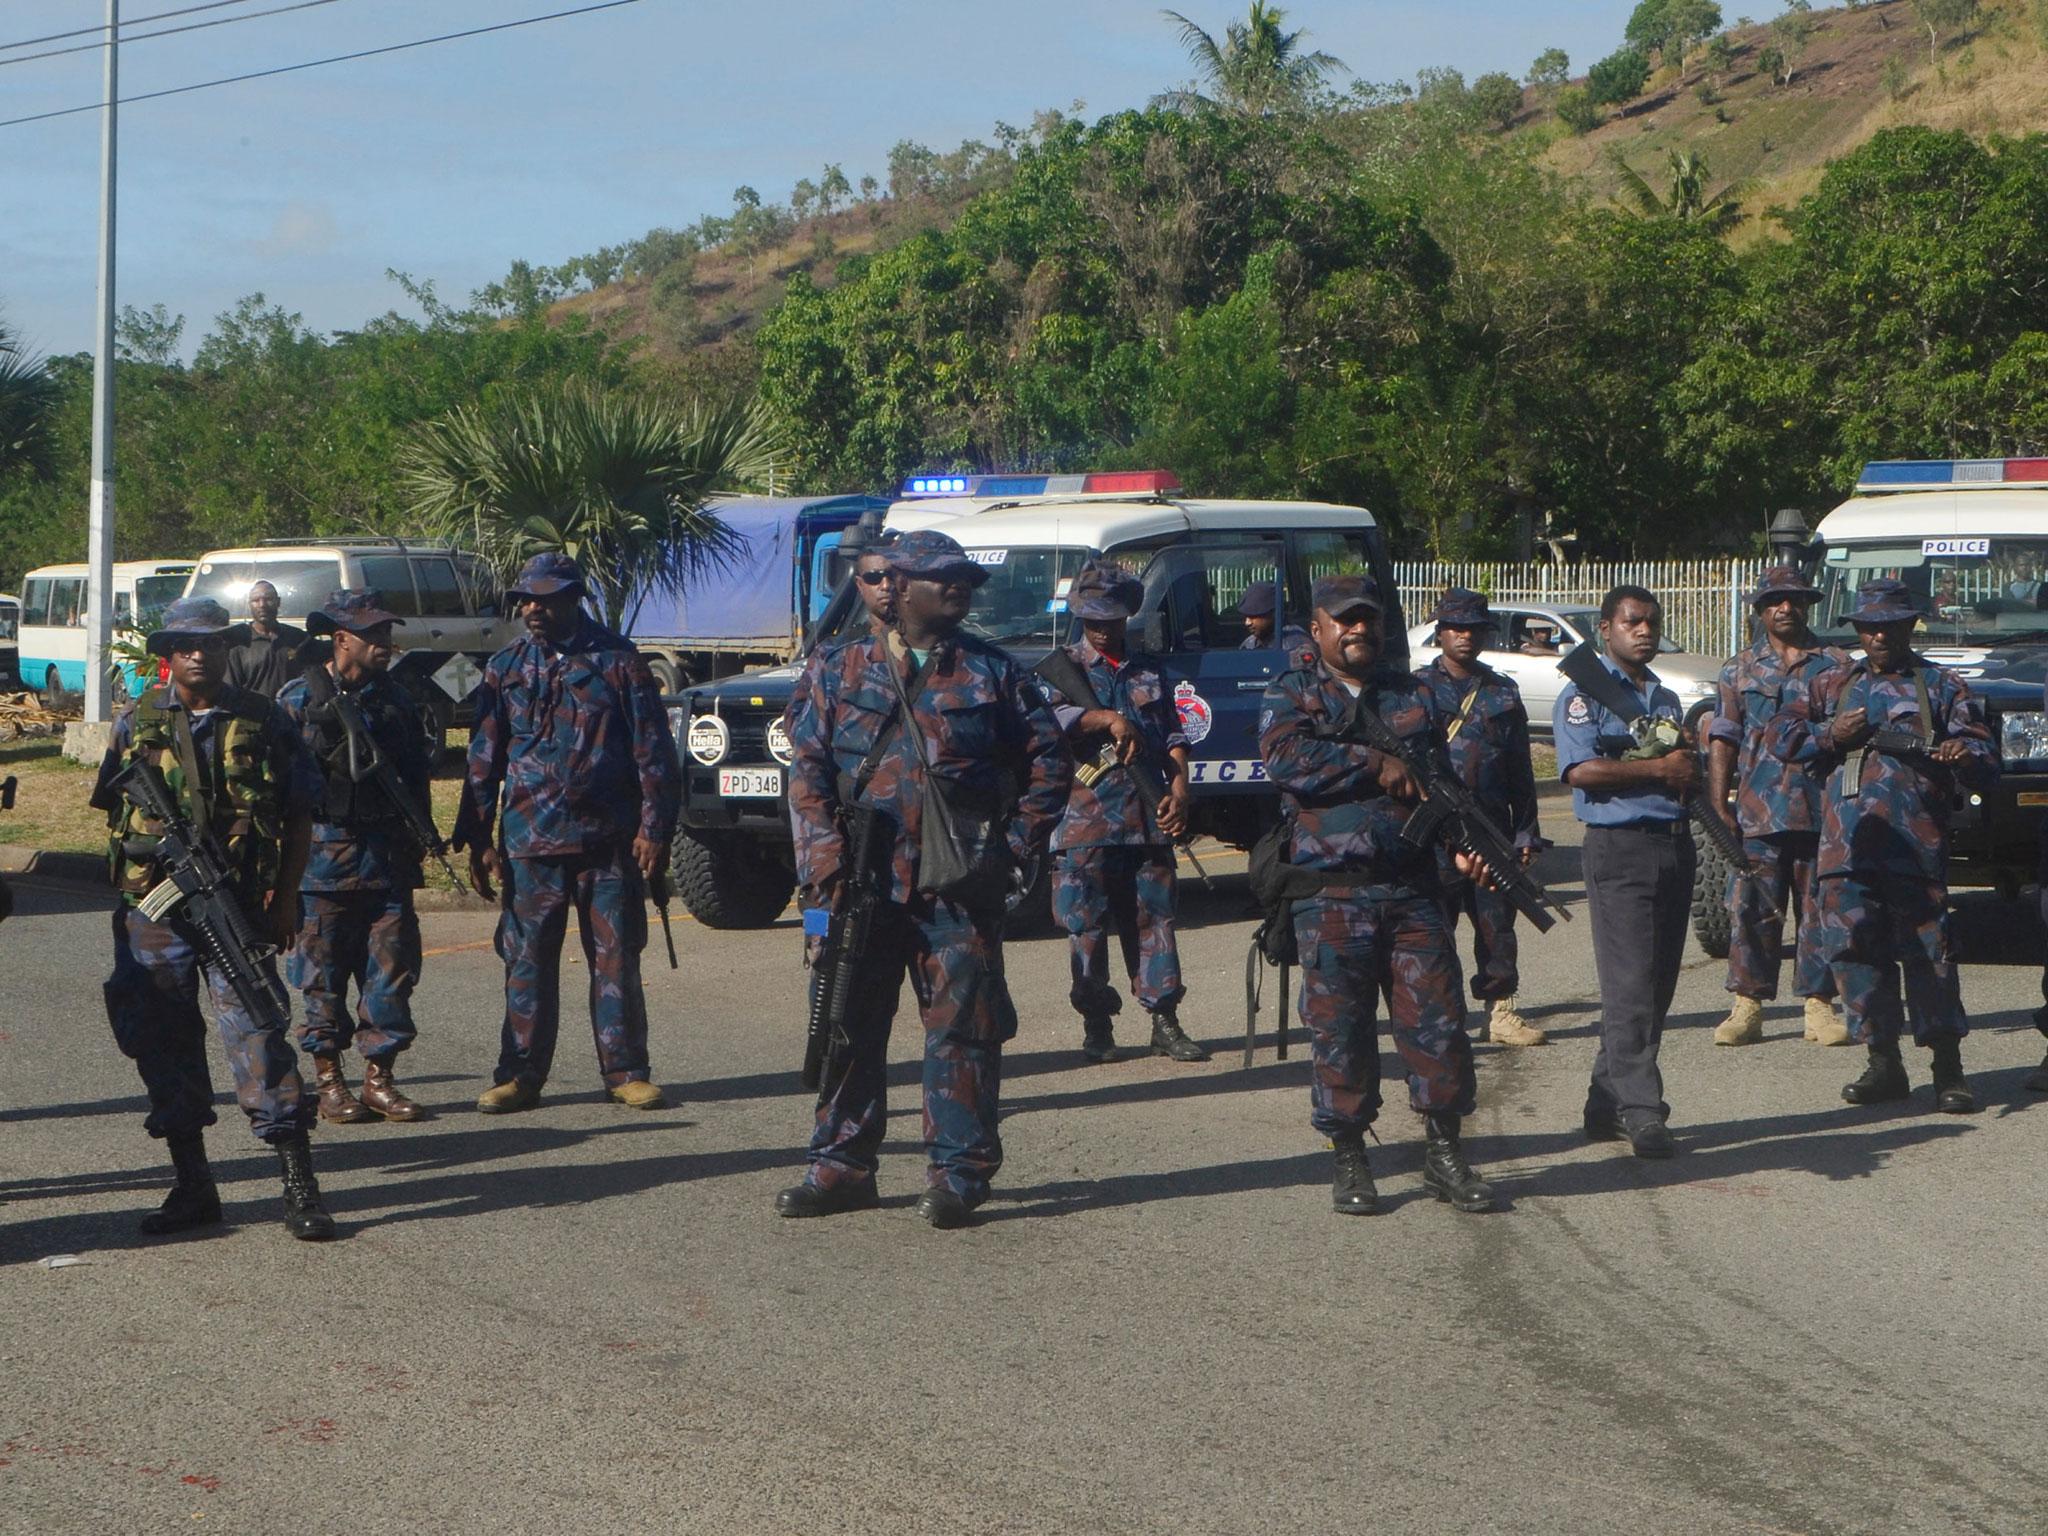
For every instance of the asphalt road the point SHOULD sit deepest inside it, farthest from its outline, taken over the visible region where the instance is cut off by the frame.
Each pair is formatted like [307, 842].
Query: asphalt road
[1814, 1319]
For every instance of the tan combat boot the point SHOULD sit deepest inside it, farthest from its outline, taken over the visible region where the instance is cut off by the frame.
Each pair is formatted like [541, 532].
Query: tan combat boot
[1744, 1024]
[337, 1104]
[507, 1097]
[638, 1095]
[1824, 1026]
[1505, 1026]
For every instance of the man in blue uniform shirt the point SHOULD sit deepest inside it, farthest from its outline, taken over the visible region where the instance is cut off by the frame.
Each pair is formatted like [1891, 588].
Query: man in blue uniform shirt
[1638, 864]
[1259, 608]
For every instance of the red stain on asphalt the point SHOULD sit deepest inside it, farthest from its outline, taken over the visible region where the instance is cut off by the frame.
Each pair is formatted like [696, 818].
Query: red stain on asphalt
[194, 1480]
[312, 1431]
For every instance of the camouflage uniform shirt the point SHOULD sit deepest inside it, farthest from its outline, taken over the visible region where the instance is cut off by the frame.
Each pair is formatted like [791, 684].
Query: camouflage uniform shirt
[1772, 795]
[1109, 811]
[378, 855]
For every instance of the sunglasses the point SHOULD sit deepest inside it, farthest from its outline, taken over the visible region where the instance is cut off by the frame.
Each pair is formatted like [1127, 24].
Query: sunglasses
[872, 578]
[211, 645]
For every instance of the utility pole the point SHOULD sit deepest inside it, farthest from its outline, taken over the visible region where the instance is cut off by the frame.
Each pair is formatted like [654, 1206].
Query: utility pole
[99, 580]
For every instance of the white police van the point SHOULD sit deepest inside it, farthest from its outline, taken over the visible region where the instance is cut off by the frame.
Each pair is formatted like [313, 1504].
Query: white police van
[1032, 533]
[1969, 537]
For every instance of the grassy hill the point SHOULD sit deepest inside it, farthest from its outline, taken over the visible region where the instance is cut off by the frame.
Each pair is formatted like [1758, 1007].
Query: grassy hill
[1860, 71]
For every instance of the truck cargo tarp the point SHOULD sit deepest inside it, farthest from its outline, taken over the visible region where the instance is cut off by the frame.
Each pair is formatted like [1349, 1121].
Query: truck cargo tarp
[750, 598]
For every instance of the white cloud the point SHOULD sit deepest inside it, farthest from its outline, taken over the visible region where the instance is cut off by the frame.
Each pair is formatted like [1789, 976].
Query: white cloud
[300, 229]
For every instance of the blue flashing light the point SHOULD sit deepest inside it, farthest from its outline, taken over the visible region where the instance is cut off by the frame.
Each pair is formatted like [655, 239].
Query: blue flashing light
[1010, 485]
[937, 485]
[1908, 472]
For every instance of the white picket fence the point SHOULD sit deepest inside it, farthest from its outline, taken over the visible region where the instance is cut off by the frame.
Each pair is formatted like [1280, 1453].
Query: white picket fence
[1704, 607]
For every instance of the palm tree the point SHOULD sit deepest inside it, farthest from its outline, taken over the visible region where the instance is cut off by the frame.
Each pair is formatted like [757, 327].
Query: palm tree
[617, 479]
[1257, 69]
[1688, 201]
[27, 397]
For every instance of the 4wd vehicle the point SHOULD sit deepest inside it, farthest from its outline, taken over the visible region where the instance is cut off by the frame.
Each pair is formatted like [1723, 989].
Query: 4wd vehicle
[1970, 538]
[1032, 533]
[448, 598]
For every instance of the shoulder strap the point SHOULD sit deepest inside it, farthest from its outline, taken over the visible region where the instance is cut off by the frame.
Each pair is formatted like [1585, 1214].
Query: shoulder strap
[1464, 710]
[904, 697]
[1585, 668]
[1926, 709]
[897, 711]
[199, 785]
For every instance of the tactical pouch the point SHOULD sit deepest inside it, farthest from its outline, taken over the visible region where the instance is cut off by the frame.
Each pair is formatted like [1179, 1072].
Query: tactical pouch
[961, 852]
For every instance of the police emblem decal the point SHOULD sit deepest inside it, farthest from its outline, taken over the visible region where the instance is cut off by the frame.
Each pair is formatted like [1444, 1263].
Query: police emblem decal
[1578, 711]
[1196, 717]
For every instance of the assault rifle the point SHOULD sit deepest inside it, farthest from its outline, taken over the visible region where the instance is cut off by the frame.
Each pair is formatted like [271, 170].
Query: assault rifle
[1907, 745]
[1065, 674]
[861, 893]
[197, 885]
[1449, 814]
[365, 761]
[1650, 738]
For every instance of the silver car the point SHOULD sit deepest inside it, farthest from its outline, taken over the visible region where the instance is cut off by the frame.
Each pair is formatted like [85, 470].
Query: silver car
[1533, 637]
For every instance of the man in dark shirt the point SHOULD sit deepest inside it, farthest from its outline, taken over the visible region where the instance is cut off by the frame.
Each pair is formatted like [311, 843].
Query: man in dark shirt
[262, 662]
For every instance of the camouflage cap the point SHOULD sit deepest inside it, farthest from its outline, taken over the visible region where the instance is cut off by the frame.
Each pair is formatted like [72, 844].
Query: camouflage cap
[190, 616]
[1259, 600]
[1883, 601]
[928, 553]
[1462, 608]
[354, 609]
[1103, 590]
[1343, 596]
[1782, 581]
[548, 573]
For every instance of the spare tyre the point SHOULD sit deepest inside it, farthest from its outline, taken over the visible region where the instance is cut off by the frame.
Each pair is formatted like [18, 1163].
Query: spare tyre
[1710, 921]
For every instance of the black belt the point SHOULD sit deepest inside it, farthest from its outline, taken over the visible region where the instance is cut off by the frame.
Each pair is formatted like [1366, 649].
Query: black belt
[1647, 828]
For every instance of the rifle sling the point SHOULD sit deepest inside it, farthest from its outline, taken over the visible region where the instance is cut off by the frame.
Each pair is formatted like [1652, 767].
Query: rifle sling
[186, 748]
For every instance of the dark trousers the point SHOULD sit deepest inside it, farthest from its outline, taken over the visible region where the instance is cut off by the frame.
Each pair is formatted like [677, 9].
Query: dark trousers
[1757, 910]
[1881, 930]
[1128, 891]
[1495, 955]
[609, 898]
[1639, 891]
[954, 959]
[371, 938]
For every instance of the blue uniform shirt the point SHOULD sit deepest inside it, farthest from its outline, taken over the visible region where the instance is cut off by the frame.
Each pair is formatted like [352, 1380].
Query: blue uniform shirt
[1577, 724]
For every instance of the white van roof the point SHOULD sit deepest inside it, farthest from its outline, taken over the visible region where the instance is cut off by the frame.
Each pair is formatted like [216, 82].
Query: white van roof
[1099, 523]
[1937, 514]
[122, 569]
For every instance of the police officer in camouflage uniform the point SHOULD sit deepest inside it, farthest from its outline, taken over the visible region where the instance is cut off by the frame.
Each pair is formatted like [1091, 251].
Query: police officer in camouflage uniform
[1113, 865]
[1777, 814]
[356, 917]
[238, 769]
[978, 715]
[1377, 924]
[569, 726]
[1882, 867]
[1256, 608]
[1487, 731]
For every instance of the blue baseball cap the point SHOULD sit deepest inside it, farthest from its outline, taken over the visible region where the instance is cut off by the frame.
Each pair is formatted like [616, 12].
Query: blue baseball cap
[354, 609]
[1259, 600]
[929, 553]
[1462, 608]
[1103, 590]
[548, 573]
[1883, 601]
[191, 617]
[1343, 596]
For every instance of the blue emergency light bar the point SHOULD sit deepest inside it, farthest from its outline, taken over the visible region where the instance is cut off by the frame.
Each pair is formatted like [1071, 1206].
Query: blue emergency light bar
[1128, 482]
[1966, 474]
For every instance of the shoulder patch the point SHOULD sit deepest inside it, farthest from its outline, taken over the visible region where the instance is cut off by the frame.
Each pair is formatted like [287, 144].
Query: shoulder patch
[1577, 711]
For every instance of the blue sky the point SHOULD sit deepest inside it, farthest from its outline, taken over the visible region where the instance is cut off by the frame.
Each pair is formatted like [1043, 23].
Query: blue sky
[547, 141]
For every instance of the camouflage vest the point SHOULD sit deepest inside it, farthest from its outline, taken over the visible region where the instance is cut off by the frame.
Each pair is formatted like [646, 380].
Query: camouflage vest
[247, 804]
[387, 715]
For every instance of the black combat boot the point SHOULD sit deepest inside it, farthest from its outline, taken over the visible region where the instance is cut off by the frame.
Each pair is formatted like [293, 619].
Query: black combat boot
[1098, 1040]
[1952, 1094]
[943, 1208]
[1884, 1080]
[193, 1200]
[807, 1199]
[1445, 1173]
[1169, 1039]
[1351, 1187]
[303, 1217]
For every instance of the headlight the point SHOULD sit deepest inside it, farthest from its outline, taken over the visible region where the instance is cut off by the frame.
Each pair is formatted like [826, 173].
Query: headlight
[778, 743]
[708, 739]
[2023, 736]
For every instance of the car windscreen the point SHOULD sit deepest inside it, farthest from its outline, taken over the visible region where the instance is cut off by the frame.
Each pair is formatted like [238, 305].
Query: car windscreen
[153, 594]
[1970, 591]
[303, 582]
[1022, 605]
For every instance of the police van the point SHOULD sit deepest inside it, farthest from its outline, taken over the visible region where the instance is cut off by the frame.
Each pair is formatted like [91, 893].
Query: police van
[1032, 533]
[1969, 538]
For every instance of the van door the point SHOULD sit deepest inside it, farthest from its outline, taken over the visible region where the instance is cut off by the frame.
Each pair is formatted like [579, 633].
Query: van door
[1190, 621]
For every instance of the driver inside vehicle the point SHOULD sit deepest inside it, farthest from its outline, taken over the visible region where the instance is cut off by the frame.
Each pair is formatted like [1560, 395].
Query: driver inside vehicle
[1539, 638]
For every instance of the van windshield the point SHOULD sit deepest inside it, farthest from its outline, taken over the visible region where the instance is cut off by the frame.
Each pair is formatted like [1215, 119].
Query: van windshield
[153, 594]
[1022, 605]
[1970, 591]
[302, 584]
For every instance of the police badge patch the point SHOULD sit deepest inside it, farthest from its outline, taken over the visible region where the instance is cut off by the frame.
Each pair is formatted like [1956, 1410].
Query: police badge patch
[1577, 711]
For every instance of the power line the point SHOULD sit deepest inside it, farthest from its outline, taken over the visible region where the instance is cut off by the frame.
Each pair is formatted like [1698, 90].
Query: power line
[339, 58]
[133, 21]
[143, 37]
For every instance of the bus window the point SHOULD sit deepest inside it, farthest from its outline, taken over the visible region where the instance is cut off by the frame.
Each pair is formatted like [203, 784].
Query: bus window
[67, 601]
[35, 600]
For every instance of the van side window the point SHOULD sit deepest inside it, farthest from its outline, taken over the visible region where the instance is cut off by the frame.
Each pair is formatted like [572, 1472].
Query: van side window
[1193, 590]
[389, 574]
[440, 592]
[35, 601]
[483, 586]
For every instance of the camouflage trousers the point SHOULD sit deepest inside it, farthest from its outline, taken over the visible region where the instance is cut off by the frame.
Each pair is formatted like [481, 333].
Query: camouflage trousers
[1354, 950]
[1757, 910]
[609, 898]
[1130, 890]
[1876, 929]
[1496, 955]
[371, 938]
[153, 1004]
[955, 962]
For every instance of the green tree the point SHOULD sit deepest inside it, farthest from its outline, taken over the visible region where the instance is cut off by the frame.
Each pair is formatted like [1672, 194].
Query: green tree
[1790, 33]
[617, 479]
[1939, 16]
[1495, 100]
[28, 396]
[1551, 70]
[1576, 109]
[1258, 68]
[1687, 23]
[1617, 78]
[1688, 200]
[1648, 27]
